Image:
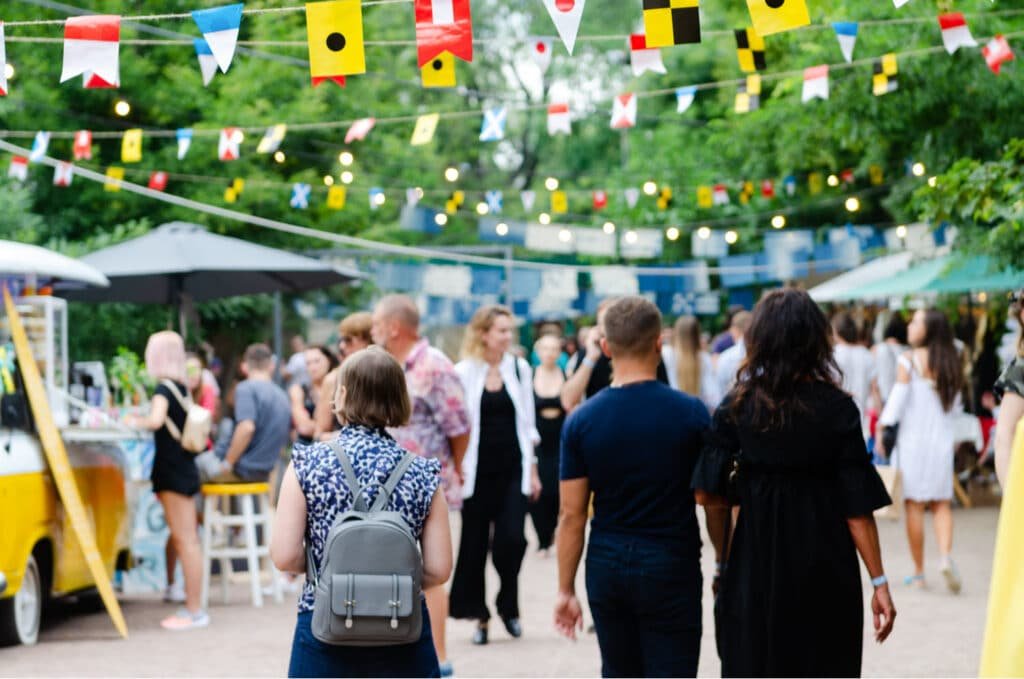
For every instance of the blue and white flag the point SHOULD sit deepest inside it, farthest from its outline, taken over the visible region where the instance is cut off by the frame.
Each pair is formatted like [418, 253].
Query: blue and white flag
[493, 128]
[685, 97]
[207, 62]
[39, 146]
[846, 31]
[219, 26]
[184, 141]
[495, 202]
[300, 196]
[377, 197]
[789, 183]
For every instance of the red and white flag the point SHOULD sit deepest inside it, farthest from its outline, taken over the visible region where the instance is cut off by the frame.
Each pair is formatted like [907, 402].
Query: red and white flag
[227, 147]
[559, 120]
[82, 148]
[63, 173]
[19, 168]
[92, 44]
[359, 129]
[815, 83]
[91, 81]
[643, 58]
[624, 111]
[600, 200]
[846, 176]
[955, 33]
[768, 188]
[158, 181]
[3, 62]
[997, 52]
[720, 195]
[443, 26]
[540, 50]
[566, 15]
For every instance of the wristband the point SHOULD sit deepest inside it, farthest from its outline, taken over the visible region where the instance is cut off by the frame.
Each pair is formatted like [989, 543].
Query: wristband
[879, 581]
[589, 363]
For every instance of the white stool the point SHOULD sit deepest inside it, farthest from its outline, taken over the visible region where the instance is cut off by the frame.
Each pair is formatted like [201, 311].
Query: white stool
[254, 499]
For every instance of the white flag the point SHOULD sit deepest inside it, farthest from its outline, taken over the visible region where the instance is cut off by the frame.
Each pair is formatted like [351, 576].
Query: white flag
[529, 198]
[566, 14]
[955, 33]
[632, 196]
[643, 58]
[559, 120]
[624, 111]
[62, 174]
[540, 49]
[815, 83]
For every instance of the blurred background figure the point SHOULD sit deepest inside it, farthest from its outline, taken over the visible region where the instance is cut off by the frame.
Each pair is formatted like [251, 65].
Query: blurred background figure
[305, 397]
[353, 335]
[295, 369]
[547, 392]
[688, 365]
[856, 365]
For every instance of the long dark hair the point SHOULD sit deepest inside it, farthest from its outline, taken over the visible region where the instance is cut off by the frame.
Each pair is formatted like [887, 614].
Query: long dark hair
[943, 360]
[788, 344]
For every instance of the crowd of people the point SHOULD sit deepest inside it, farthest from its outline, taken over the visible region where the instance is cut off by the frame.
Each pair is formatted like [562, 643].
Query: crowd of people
[774, 426]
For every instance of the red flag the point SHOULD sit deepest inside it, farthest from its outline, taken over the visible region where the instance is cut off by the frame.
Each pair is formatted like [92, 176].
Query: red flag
[846, 176]
[443, 26]
[600, 200]
[82, 148]
[997, 52]
[768, 188]
[158, 181]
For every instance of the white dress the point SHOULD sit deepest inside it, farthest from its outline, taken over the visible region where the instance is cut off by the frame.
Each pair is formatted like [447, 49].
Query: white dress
[924, 444]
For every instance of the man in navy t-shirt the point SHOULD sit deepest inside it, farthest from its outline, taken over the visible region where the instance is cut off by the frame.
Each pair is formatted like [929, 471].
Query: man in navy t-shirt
[634, 446]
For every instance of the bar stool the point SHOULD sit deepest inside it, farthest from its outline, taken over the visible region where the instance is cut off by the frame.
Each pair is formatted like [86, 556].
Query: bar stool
[254, 499]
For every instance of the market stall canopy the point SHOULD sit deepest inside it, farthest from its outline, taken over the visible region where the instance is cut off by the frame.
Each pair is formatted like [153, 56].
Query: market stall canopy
[845, 286]
[179, 261]
[914, 280]
[978, 274]
[21, 259]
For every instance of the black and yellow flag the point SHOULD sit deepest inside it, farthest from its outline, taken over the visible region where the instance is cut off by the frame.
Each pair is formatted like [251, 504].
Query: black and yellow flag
[883, 81]
[776, 16]
[748, 96]
[334, 31]
[671, 22]
[665, 199]
[750, 50]
[454, 202]
[439, 71]
[746, 192]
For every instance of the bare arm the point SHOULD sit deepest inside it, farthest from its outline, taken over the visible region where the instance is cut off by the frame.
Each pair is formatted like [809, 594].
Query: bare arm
[286, 549]
[458, 445]
[1010, 412]
[304, 424]
[864, 532]
[157, 414]
[240, 440]
[572, 523]
[437, 543]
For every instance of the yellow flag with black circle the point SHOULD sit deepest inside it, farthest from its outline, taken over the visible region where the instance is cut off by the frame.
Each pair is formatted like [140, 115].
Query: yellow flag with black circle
[671, 22]
[439, 71]
[776, 16]
[131, 146]
[559, 202]
[336, 198]
[334, 31]
[705, 197]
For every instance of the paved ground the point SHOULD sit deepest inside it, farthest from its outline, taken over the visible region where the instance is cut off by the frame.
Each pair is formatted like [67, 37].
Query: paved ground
[937, 634]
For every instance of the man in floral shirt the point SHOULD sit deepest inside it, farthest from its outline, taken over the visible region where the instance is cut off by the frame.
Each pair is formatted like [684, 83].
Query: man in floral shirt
[439, 426]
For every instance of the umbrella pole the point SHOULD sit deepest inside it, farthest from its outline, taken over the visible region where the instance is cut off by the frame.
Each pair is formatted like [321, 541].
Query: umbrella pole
[278, 335]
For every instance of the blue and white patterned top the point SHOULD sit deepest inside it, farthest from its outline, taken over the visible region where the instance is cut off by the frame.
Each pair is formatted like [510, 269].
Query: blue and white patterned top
[374, 454]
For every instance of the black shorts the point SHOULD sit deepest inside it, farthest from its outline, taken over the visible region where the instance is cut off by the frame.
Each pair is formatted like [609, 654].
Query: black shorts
[174, 471]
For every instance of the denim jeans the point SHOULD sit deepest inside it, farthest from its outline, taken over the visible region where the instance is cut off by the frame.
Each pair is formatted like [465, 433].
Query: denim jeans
[645, 596]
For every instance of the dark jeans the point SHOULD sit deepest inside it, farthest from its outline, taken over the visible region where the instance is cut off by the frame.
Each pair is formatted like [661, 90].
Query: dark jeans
[497, 501]
[313, 658]
[645, 596]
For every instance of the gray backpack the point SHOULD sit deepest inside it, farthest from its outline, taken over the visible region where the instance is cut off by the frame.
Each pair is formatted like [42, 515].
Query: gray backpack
[368, 586]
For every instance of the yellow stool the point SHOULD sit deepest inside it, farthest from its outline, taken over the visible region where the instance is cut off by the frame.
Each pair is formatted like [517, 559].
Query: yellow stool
[254, 499]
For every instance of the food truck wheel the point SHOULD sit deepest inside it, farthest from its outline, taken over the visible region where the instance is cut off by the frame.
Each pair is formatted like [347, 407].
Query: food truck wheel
[20, 614]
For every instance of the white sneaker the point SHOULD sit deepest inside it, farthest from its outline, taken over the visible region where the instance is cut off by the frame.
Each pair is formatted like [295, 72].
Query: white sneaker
[183, 620]
[175, 593]
[952, 575]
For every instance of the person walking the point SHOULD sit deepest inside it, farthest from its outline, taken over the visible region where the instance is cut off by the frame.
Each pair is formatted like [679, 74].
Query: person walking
[633, 446]
[500, 470]
[305, 397]
[371, 396]
[856, 366]
[175, 477]
[353, 336]
[923, 406]
[438, 427]
[786, 446]
[550, 416]
[887, 354]
[688, 366]
[730, 359]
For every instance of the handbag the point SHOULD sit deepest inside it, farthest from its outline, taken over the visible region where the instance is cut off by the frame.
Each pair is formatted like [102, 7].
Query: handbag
[892, 479]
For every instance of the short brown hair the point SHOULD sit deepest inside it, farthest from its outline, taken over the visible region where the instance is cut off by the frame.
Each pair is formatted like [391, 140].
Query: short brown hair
[357, 325]
[258, 357]
[632, 326]
[375, 390]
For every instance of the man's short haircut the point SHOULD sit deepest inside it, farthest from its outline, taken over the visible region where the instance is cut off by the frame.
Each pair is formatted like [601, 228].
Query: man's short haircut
[632, 326]
[844, 326]
[741, 321]
[258, 357]
[376, 394]
[400, 308]
[357, 325]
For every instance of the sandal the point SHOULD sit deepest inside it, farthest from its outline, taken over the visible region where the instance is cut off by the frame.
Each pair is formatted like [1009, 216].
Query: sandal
[915, 580]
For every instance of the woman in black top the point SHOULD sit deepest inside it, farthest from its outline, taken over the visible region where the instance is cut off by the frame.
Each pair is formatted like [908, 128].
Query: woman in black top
[547, 394]
[790, 602]
[304, 396]
[175, 477]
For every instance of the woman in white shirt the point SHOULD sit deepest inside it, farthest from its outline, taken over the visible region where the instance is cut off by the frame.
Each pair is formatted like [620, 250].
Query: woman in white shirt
[499, 470]
[688, 366]
[856, 364]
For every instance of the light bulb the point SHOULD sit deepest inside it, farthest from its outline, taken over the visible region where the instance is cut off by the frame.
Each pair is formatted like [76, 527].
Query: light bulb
[852, 204]
[544, 218]
[482, 209]
[379, 199]
[609, 228]
[328, 180]
[9, 71]
[833, 180]
[501, 229]
[551, 184]
[565, 235]
[279, 156]
[650, 188]
[672, 233]
[347, 177]
[933, 181]
[731, 237]
[346, 158]
[452, 174]
[703, 233]
[901, 231]
[440, 219]
[778, 221]
[918, 169]
[631, 237]
[122, 108]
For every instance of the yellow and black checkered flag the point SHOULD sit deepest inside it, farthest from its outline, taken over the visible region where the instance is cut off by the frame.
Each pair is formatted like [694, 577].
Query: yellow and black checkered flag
[455, 201]
[884, 79]
[748, 96]
[671, 22]
[750, 50]
[665, 198]
[776, 16]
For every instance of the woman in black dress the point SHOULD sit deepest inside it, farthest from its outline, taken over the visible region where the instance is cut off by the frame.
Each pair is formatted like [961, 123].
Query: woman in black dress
[786, 446]
[547, 395]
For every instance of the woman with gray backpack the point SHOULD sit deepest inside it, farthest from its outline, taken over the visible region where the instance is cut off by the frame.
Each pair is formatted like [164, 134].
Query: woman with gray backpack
[367, 523]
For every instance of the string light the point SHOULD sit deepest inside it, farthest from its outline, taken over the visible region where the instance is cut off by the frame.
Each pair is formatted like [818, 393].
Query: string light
[852, 204]
[452, 174]
[482, 209]
[672, 233]
[279, 156]
[703, 233]
[565, 235]
[918, 169]
[419, 192]
[731, 237]
[347, 177]
[608, 228]
[346, 158]
[551, 184]
[933, 181]
[650, 188]
[501, 229]
[833, 180]
[237, 136]
[901, 231]
[631, 237]
[440, 219]
[328, 180]
[9, 71]
[379, 199]
[778, 221]
[544, 218]
[122, 108]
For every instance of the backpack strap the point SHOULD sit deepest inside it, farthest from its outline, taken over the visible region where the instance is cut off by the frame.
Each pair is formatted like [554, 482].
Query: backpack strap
[172, 428]
[389, 486]
[350, 476]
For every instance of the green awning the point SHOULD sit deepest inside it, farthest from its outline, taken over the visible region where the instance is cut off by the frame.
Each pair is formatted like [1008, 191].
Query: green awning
[977, 274]
[913, 280]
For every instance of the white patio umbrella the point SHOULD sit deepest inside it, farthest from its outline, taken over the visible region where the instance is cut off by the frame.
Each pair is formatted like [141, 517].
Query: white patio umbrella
[21, 259]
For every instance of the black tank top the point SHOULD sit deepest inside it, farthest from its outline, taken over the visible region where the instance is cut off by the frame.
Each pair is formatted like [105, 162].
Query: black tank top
[550, 429]
[499, 443]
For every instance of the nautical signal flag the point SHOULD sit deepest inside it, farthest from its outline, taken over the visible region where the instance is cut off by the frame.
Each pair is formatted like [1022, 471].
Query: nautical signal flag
[439, 71]
[3, 62]
[632, 196]
[624, 111]
[876, 175]
[272, 138]
[600, 200]
[40, 144]
[219, 26]
[997, 52]
[334, 31]
[238, 185]
[815, 83]
[230, 195]
[846, 176]
[336, 196]
[643, 58]
[767, 188]
[900, 3]
[671, 22]
[750, 50]
[184, 136]
[158, 181]
[883, 80]
[92, 44]
[776, 16]
[528, 198]
[443, 26]
[955, 33]
[705, 199]
[131, 146]
[540, 50]
[227, 145]
[495, 202]
[493, 127]
[359, 129]
[454, 202]
[18, 168]
[559, 120]
[82, 146]
[207, 62]
[685, 97]
[789, 184]
[566, 15]
[559, 202]
[846, 33]
[748, 97]
[300, 195]
[423, 133]
[720, 195]
[815, 183]
[746, 193]
[115, 175]
[63, 174]
[665, 198]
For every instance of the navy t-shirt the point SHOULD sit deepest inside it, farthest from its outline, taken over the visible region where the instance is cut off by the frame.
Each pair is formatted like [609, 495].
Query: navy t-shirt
[637, 445]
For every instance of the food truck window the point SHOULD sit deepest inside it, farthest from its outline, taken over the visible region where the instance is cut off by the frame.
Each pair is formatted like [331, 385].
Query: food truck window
[15, 412]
